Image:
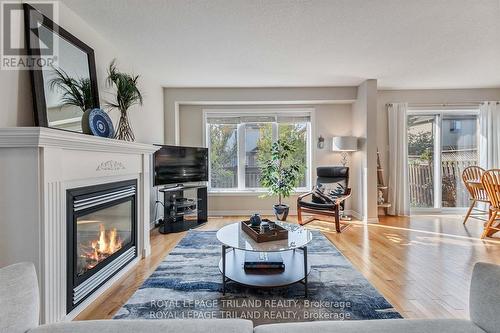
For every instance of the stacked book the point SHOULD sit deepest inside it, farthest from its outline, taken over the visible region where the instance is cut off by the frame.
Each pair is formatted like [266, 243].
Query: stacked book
[255, 261]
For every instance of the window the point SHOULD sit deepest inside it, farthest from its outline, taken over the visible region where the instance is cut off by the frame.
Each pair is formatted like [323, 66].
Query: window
[258, 138]
[223, 155]
[441, 144]
[239, 143]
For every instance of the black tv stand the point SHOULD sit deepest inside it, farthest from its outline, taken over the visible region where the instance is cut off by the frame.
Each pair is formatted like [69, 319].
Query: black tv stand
[176, 206]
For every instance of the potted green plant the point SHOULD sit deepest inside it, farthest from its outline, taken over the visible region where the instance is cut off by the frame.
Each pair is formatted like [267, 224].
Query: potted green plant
[127, 94]
[280, 174]
[77, 92]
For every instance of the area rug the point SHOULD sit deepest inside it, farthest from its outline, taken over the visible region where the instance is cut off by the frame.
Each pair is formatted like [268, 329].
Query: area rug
[188, 284]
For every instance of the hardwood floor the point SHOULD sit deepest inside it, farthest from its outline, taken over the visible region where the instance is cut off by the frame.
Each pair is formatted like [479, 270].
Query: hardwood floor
[422, 264]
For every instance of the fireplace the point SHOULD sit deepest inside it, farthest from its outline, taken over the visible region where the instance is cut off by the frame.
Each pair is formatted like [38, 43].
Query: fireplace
[101, 236]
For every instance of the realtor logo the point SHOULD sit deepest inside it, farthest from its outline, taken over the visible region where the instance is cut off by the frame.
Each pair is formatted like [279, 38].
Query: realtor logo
[25, 41]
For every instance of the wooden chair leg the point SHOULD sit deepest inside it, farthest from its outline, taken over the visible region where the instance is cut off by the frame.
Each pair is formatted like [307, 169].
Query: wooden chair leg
[469, 211]
[302, 221]
[337, 218]
[489, 224]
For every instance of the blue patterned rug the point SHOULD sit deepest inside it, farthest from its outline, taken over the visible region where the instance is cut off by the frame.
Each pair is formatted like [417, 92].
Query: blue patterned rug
[187, 284]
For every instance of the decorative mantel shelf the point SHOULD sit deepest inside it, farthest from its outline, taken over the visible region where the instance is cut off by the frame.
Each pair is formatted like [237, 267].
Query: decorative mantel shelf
[37, 167]
[18, 137]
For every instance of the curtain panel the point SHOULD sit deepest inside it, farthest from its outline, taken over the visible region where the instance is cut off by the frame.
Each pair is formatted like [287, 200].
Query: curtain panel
[489, 135]
[398, 159]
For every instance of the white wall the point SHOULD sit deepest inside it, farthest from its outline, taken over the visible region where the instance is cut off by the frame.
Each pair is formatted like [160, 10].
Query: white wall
[329, 120]
[364, 171]
[15, 87]
[363, 119]
[438, 96]
[174, 97]
[146, 120]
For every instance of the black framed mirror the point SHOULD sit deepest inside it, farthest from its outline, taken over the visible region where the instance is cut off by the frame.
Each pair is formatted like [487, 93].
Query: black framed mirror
[63, 73]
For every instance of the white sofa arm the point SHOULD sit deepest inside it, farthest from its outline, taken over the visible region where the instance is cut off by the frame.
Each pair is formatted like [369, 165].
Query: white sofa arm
[485, 297]
[19, 298]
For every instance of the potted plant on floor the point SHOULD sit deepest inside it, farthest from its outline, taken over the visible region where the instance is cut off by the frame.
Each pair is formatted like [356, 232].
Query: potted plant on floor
[280, 174]
[127, 95]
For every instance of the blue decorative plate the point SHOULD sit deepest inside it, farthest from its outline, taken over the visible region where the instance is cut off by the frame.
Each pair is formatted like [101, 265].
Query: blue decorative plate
[98, 123]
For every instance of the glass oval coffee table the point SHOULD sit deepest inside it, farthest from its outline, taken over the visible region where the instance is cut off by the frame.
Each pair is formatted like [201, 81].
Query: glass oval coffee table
[235, 242]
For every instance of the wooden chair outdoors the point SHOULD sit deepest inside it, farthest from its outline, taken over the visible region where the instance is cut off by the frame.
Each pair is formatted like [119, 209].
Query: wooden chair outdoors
[328, 197]
[471, 177]
[491, 183]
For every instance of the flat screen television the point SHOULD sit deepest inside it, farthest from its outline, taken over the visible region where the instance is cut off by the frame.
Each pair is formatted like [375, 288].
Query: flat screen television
[177, 165]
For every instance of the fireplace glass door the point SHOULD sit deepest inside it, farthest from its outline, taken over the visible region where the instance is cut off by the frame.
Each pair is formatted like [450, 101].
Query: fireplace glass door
[102, 226]
[102, 233]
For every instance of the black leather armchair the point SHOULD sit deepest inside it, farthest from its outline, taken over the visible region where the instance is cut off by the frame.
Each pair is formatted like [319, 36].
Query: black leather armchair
[328, 196]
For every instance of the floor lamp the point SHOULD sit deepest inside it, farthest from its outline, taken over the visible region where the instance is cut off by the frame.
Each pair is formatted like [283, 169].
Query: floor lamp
[344, 145]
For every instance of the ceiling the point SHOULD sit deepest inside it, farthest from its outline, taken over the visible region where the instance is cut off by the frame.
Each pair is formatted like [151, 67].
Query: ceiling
[405, 44]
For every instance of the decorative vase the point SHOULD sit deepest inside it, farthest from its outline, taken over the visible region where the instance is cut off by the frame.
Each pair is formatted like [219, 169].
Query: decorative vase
[264, 227]
[255, 220]
[123, 130]
[281, 211]
[97, 122]
[85, 122]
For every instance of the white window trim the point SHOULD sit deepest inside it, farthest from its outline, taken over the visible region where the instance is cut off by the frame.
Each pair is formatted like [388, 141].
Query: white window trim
[439, 113]
[241, 159]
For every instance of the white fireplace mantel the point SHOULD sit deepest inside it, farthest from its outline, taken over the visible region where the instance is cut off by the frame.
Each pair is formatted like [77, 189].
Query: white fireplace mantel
[20, 137]
[37, 166]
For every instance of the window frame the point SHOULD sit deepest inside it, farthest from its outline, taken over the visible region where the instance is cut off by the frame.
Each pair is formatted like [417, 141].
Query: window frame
[438, 114]
[240, 133]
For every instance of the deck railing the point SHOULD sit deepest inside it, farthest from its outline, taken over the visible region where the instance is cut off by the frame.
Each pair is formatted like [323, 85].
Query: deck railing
[421, 181]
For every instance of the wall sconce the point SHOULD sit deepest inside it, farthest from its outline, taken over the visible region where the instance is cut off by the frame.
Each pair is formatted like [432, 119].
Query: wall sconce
[344, 144]
[321, 142]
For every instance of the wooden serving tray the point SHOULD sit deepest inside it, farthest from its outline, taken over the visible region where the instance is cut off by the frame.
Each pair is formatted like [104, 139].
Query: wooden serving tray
[278, 233]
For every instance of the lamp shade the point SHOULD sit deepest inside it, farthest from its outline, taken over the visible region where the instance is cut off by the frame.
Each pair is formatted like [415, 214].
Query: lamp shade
[344, 143]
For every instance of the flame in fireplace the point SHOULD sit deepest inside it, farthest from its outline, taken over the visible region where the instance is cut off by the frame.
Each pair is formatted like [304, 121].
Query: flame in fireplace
[107, 243]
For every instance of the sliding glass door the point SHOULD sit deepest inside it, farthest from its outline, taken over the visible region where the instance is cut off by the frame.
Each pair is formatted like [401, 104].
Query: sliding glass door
[421, 162]
[441, 144]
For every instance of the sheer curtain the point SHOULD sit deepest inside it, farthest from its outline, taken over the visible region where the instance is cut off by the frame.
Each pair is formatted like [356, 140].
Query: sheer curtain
[398, 159]
[489, 130]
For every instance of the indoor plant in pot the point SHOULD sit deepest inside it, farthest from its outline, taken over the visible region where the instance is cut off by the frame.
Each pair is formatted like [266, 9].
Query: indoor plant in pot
[127, 94]
[280, 174]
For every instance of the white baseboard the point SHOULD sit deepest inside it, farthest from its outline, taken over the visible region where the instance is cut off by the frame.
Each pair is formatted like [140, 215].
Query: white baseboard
[358, 216]
[247, 212]
[152, 224]
[244, 212]
[438, 211]
[355, 214]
